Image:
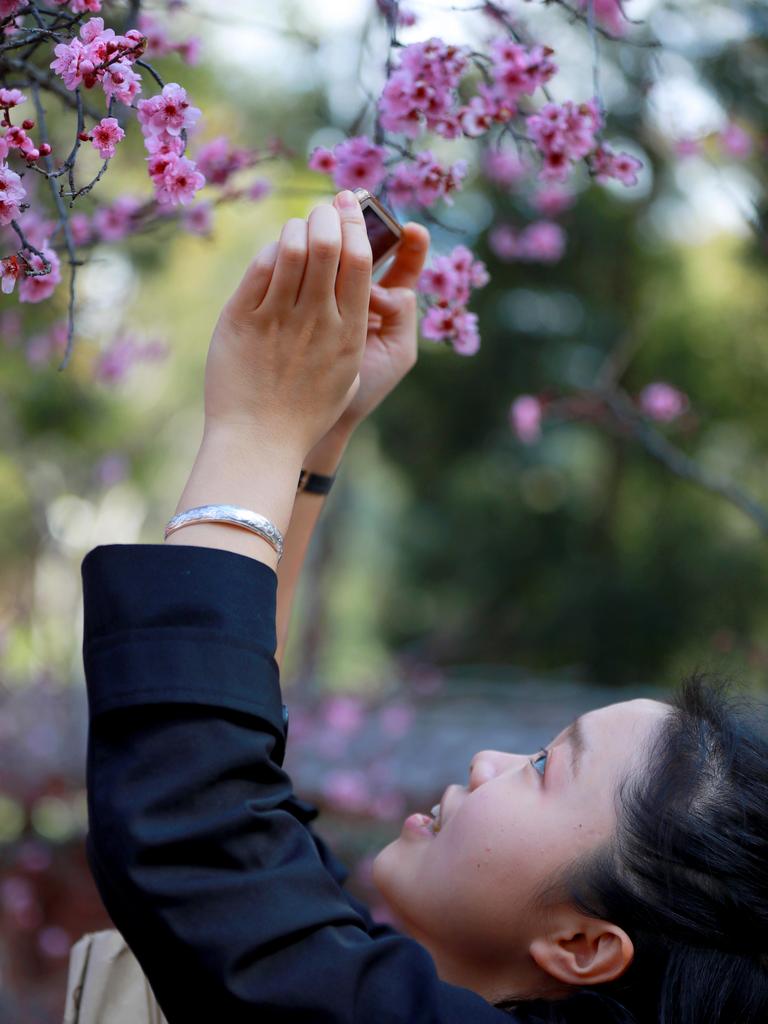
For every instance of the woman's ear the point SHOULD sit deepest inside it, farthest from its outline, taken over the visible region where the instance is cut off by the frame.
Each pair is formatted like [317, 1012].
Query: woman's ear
[586, 951]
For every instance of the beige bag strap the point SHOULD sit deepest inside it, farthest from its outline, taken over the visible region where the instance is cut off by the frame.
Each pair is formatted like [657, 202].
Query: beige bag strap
[106, 984]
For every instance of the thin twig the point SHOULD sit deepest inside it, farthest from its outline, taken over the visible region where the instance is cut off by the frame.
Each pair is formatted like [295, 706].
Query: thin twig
[26, 244]
[65, 227]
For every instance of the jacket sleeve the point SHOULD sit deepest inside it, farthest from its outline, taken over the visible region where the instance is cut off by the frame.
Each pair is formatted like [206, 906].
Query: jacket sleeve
[195, 843]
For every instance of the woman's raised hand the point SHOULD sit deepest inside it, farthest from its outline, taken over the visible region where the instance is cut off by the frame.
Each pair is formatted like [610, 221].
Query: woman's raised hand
[286, 352]
[391, 344]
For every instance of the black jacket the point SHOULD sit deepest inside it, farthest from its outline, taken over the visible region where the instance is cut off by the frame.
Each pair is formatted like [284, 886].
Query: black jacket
[203, 856]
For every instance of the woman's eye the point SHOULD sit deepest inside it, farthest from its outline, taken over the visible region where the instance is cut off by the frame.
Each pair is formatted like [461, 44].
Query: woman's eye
[537, 760]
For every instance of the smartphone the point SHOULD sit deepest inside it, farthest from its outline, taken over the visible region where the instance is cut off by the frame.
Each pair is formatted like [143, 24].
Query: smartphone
[384, 231]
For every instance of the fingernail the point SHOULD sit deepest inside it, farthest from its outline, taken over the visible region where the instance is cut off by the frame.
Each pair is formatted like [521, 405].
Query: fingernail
[347, 200]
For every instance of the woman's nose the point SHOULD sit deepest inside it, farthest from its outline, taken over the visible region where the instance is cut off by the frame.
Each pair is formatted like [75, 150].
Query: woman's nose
[486, 764]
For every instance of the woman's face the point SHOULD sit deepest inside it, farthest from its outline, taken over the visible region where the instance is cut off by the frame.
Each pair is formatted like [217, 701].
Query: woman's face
[466, 892]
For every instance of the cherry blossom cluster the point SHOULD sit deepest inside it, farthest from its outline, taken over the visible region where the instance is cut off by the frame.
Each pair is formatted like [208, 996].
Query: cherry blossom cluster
[425, 92]
[422, 92]
[448, 284]
[90, 58]
[568, 132]
[101, 57]
[165, 119]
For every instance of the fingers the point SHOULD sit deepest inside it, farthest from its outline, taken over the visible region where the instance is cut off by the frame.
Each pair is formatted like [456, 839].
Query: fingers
[385, 302]
[353, 284]
[323, 250]
[409, 259]
[253, 286]
[283, 290]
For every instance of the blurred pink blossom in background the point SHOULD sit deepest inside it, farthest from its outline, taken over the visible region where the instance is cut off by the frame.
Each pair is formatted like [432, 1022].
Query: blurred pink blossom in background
[525, 418]
[663, 402]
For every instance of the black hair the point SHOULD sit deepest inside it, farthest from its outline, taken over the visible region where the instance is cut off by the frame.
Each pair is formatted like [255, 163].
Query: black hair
[685, 875]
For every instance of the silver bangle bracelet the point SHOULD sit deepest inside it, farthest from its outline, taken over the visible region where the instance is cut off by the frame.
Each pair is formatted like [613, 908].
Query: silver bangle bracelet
[229, 514]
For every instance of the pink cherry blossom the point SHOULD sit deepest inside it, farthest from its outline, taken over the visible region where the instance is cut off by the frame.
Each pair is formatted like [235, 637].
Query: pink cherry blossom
[190, 50]
[167, 113]
[41, 348]
[12, 194]
[80, 228]
[219, 160]
[735, 141]
[38, 288]
[100, 56]
[525, 418]
[421, 93]
[121, 82]
[322, 159]
[179, 182]
[259, 189]
[11, 98]
[81, 6]
[550, 200]
[663, 402]
[112, 223]
[503, 167]
[502, 239]
[519, 70]
[466, 341]
[158, 43]
[359, 164]
[476, 117]
[124, 352]
[17, 138]
[105, 137]
[425, 181]
[199, 219]
[564, 134]
[541, 242]
[440, 279]
[10, 8]
[606, 165]
[38, 229]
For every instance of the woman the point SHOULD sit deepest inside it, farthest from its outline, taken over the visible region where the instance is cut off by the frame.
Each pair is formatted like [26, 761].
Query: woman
[618, 875]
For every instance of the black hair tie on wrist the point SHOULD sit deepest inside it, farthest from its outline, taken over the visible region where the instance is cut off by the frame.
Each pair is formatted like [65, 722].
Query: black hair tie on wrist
[314, 483]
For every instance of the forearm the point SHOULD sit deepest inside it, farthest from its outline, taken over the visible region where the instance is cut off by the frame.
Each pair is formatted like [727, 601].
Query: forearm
[236, 468]
[324, 459]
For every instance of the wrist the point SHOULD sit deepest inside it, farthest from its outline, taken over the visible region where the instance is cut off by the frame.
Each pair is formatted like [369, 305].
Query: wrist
[240, 469]
[326, 455]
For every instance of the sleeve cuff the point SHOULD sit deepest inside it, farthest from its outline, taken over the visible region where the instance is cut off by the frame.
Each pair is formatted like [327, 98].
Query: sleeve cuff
[180, 623]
